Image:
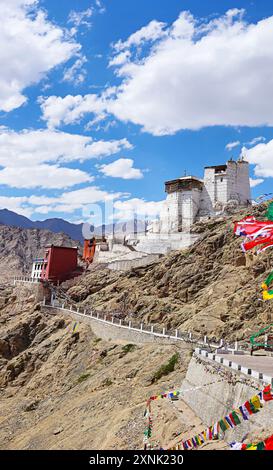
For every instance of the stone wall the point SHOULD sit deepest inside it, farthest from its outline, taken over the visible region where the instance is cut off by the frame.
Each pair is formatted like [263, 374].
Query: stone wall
[24, 289]
[165, 242]
[221, 188]
[126, 265]
[189, 207]
[208, 196]
[242, 182]
[212, 402]
[170, 214]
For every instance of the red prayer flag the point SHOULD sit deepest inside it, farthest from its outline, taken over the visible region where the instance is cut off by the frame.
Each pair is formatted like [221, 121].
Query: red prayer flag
[269, 443]
[248, 407]
[267, 395]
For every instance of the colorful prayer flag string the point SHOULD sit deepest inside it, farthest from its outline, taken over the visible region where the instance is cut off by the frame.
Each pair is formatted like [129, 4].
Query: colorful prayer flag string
[267, 444]
[259, 234]
[173, 395]
[267, 293]
[230, 421]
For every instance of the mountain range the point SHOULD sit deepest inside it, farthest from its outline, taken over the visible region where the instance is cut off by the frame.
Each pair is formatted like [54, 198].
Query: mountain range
[57, 225]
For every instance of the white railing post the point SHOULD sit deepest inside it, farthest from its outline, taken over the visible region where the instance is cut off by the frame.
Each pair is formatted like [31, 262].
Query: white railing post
[190, 335]
[84, 312]
[164, 331]
[97, 314]
[70, 308]
[112, 319]
[130, 324]
[236, 345]
[265, 340]
[176, 333]
[78, 310]
[152, 328]
[221, 343]
[120, 321]
[141, 326]
[205, 340]
[44, 302]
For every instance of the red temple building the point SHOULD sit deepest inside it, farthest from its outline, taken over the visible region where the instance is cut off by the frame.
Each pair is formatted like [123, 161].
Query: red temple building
[59, 264]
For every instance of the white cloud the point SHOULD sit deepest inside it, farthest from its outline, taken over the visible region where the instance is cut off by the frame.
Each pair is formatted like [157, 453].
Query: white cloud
[36, 158]
[16, 204]
[120, 59]
[70, 109]
[195, 79]
[76, 74]
[100, 6]
[33, 147]
[126, 210]
[122, 168]
[255, 182]
[232, 145]
[81, 18]
[31, 46]
[44, 176]
[87, 200]
[194, 75]
[262, 156]
[256, 140]
[67, 202]
[70, 201]
[153, 31]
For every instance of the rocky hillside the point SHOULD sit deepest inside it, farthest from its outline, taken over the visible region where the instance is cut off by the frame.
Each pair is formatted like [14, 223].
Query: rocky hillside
[19, 246]
[210, 288]
[63, 392]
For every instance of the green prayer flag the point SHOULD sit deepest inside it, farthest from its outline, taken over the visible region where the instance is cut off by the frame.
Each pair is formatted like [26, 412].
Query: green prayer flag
[223, 425]
[269, 279]
[235, 417]
[269, 213]
[260, 446]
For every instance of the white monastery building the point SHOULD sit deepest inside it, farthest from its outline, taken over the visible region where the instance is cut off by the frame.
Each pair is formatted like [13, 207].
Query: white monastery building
[190, 199]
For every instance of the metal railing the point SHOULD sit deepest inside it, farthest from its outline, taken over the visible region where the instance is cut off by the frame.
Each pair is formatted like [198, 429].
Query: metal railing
[18, 279]
[155, 330]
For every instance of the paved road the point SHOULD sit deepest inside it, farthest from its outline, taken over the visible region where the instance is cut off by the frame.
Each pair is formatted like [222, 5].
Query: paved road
[263, 364]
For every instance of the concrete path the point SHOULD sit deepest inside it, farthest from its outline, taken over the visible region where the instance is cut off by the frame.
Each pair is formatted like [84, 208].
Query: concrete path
[263, 364]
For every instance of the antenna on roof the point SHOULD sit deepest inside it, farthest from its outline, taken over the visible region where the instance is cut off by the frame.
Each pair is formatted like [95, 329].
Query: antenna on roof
[185, 172]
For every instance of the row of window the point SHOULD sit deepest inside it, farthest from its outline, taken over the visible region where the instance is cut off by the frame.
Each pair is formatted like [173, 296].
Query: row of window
[37, 274]
[38, 266]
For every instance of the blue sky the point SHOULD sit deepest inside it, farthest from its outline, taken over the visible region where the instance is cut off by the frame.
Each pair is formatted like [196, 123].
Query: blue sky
[108, 99]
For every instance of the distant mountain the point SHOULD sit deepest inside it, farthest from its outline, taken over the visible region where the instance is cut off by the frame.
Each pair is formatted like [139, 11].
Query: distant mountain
[12, 219]
[74, 231]
[15, 220]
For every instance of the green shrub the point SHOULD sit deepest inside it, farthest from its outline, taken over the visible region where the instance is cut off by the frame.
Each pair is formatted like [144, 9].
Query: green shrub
[96, 340]
[166, 369]
[128, 348]
[107, 382]
[83, 377]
